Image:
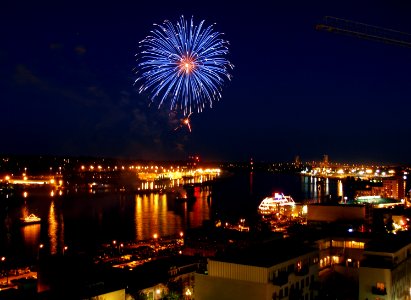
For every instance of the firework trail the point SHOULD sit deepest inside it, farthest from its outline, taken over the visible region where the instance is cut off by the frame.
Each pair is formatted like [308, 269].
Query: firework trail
[183, 65]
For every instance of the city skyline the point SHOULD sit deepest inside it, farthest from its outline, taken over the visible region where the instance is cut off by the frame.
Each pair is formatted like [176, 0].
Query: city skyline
[68, 83]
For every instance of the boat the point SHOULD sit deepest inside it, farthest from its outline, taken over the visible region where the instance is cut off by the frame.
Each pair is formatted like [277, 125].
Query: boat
[278, 203]
[30, 219]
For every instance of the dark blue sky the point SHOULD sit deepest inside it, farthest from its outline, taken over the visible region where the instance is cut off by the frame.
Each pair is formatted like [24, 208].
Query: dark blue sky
[66, 83]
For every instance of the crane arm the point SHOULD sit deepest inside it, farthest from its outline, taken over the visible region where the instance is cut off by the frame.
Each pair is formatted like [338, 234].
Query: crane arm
[364, 31]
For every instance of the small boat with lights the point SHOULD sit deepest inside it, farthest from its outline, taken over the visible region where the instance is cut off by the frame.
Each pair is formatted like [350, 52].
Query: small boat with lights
[30, 219]
[278, 203]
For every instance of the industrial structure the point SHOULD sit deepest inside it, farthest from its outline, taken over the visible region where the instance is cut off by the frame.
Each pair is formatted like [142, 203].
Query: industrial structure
[364, 31]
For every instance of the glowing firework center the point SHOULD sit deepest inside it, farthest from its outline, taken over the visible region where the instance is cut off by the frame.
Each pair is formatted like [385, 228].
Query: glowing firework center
[187, 65]
[183, 65]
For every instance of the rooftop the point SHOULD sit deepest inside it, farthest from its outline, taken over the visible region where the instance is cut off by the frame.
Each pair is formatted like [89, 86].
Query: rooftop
[388, 243]
[267, 254]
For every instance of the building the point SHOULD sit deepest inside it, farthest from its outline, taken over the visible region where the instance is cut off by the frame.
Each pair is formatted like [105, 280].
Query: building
[325, 162]
[106, 295]
[378, 201]
[385, 271]
[160, 278]
[94, 291]
[342, 213]
[156, 291]
[391, 188]
[342, 250]
[282, 269]
[394, 188]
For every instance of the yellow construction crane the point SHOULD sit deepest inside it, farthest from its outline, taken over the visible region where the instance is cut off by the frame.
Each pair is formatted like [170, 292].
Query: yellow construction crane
[364, 31]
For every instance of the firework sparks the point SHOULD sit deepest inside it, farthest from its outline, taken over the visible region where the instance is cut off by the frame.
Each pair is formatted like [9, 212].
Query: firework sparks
[183, 65]
[185, 122]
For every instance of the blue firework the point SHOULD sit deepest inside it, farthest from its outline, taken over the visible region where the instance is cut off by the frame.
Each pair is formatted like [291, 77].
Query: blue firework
[183, 65]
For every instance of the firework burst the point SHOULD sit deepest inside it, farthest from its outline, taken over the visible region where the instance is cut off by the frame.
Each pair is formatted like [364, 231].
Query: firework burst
[183, 65]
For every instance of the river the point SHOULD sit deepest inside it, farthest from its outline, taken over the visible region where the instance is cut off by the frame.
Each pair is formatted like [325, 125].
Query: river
[81, 221]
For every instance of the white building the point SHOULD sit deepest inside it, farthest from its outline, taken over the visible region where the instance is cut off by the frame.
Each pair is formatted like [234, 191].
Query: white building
[280, 270]
[385, 272]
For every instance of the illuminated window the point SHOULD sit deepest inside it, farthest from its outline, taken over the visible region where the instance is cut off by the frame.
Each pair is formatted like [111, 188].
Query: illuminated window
[299, 266]
[324, 245]
[354, 245]
[338, 244]
[380, 286]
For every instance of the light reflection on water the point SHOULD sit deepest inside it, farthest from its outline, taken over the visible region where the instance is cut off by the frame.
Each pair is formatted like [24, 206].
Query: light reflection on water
[315, 189]
[52, 229]
[167, 215]
[77, 219]
[31, 237]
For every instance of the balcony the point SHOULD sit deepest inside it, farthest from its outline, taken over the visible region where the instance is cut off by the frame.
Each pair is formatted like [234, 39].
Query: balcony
[378, 291]
[281, 279]
[302, 271]
[315, 286]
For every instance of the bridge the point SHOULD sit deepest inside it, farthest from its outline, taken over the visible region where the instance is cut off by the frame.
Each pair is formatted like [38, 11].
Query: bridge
[33, 180]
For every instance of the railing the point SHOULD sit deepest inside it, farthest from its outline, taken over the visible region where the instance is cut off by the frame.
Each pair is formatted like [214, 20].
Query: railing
[315, 285]
[303, 271]
[281, 279]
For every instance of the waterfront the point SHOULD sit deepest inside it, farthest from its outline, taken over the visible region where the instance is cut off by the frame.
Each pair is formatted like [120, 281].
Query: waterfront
[83, 221]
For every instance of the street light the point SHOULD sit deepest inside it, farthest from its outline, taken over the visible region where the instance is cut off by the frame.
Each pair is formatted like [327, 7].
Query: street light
[64, 249]
[114, 246]
[181, 241]
[3, 260]
[155, 236]
[41, 246]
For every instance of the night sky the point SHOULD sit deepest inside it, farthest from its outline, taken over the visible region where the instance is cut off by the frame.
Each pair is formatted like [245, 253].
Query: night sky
[66, 82]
